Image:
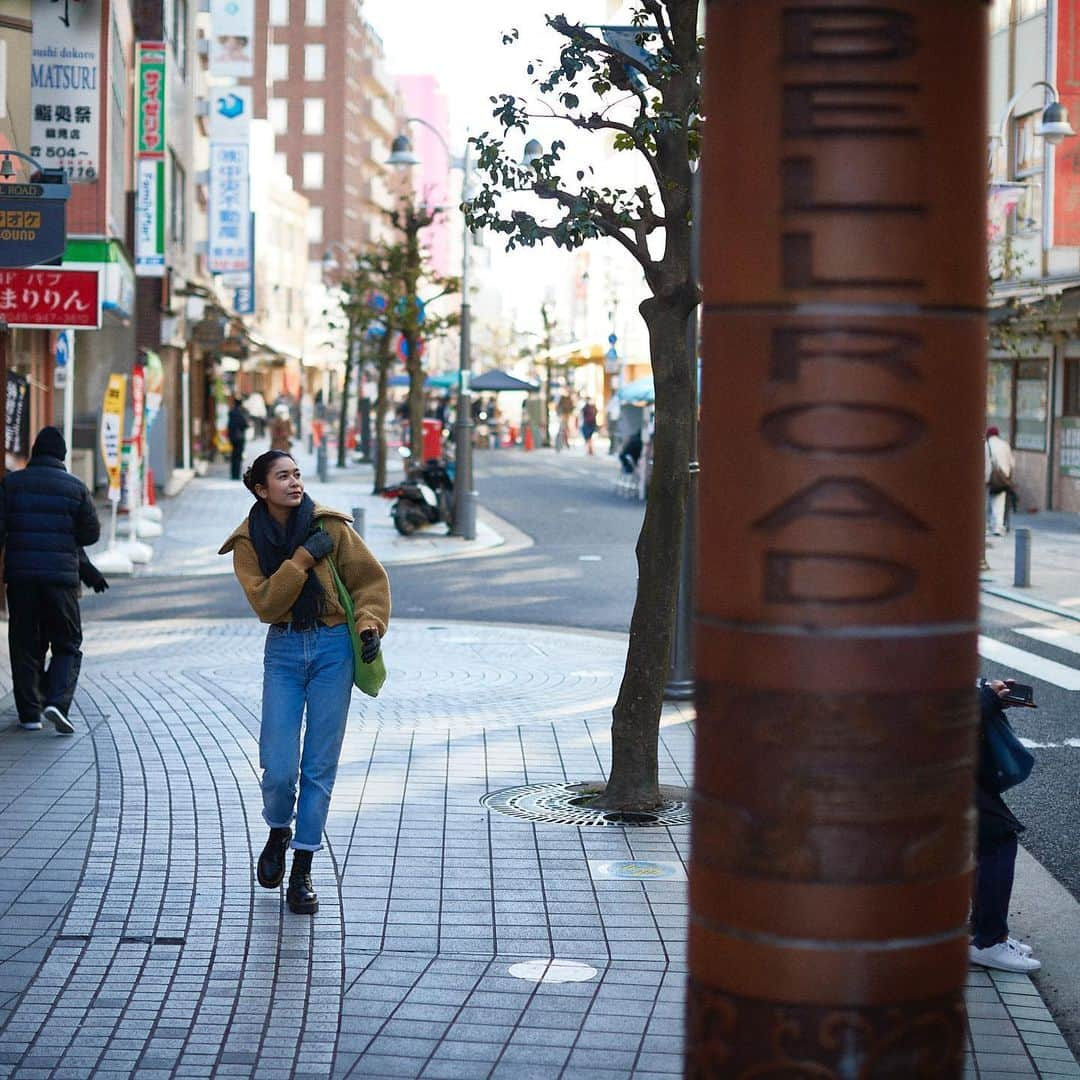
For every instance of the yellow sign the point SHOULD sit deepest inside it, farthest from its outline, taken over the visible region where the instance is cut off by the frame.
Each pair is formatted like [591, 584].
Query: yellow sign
[112, 431]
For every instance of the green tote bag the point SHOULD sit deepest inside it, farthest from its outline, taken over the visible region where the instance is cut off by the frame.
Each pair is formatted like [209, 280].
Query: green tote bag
[368, 678]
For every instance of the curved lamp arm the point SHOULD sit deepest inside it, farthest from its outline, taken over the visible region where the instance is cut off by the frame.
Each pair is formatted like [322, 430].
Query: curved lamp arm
[1002, 129]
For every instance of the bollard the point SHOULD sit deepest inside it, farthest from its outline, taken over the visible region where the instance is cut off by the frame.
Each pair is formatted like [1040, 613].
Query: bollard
[1022, 569]
[358, 520]
[320, 461]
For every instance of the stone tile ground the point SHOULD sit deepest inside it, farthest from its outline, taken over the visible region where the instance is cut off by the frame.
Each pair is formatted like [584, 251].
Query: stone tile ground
[134, 942]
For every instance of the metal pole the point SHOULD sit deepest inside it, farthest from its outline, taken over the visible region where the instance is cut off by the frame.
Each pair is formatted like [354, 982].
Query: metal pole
[1022, 563]
[464, 495]
[69, 395]
[844, 284]
[680, 684]
[185, 405]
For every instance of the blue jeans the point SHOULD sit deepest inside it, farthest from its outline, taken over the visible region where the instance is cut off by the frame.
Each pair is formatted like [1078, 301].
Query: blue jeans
[312, 668]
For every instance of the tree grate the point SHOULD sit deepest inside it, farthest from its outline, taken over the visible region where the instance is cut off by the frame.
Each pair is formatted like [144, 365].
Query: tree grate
[571, 804]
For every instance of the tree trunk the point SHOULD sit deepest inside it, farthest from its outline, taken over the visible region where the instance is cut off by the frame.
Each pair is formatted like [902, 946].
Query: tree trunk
[635, 729]
[380, 421]
[416, 400]
[343, 419]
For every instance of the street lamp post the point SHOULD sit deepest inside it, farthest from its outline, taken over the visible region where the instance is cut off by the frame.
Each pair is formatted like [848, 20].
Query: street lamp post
[464, 525]
[329, 263]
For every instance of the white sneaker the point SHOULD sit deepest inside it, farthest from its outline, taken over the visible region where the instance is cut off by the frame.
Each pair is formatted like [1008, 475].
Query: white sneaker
[58, 720]
[1004, 956]
[1020, 947]
[30, 725]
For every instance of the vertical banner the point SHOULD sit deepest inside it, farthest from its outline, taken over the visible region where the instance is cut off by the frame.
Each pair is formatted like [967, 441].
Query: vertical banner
[65, 87]
[230, 207]
[17, 415]
[232, 42]
[150, 160]
[244, 295]
[112, 431]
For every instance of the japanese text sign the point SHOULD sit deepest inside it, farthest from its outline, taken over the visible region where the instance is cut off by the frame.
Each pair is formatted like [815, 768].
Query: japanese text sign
[151, 90]
[33, 230]
[112, 430]
[50, 298]
[230, 199]
[65, 87]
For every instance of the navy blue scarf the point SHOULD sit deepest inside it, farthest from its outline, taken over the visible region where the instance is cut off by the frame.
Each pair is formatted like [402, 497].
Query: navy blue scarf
[274, 544]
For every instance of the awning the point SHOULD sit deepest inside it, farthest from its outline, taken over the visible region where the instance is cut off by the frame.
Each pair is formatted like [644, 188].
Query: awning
[496, 381]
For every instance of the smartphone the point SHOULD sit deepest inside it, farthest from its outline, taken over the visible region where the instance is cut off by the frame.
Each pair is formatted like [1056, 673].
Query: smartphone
[1019, 694]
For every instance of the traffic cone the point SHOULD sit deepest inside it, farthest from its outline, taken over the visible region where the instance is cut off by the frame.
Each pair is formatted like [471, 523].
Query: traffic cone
[528, 437]
[151, 499]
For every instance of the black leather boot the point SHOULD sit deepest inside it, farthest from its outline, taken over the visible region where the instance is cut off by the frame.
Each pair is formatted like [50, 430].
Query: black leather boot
[301, 897]
[271, 866]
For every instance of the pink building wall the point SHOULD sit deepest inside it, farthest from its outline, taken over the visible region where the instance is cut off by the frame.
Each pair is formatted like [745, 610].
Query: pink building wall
[425, 100]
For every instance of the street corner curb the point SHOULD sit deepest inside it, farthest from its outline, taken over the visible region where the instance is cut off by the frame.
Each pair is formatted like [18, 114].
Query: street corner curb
[507, 539]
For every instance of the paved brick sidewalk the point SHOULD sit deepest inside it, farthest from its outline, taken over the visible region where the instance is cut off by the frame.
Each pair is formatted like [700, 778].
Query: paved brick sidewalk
[134, 941]
[1055, 561]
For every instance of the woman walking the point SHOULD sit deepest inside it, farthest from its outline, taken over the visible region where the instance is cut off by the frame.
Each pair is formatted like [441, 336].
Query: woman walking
[281, 557]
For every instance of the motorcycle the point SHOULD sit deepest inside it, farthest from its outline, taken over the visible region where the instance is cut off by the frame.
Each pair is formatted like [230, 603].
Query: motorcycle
[424, 497]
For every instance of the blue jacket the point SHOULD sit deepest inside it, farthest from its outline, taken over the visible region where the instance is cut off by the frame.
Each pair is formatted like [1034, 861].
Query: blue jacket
[46, 515]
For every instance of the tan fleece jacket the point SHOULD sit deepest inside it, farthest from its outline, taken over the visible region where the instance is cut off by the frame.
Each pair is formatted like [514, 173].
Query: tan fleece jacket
[272, 598]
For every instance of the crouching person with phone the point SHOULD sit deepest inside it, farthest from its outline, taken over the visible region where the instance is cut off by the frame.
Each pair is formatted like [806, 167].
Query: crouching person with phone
[1003, 762]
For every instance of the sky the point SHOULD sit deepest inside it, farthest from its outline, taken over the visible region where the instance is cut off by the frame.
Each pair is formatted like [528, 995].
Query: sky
[466, 53]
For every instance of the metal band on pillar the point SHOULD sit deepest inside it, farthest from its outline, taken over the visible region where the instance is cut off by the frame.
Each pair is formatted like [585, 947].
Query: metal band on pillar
[844, 281]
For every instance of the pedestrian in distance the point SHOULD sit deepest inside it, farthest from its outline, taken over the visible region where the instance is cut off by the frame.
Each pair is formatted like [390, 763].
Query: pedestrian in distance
[46, 517]
[280, 556]
[237, 432]
[996, 847]
[281, 430]
[588, 424]
[1000, 482]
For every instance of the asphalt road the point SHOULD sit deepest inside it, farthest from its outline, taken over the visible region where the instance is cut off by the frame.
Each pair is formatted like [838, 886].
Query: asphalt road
[580, 571]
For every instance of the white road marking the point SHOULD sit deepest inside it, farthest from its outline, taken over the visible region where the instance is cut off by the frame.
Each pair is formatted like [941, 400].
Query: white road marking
[1062, 637]
[1014, 659]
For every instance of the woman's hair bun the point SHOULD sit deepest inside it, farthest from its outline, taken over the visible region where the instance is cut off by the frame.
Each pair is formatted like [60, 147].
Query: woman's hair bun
[249, 481]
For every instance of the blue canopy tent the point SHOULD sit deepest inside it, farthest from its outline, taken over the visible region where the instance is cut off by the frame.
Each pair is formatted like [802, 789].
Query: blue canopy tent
[496, 381]
[638, 392]
[443, 380]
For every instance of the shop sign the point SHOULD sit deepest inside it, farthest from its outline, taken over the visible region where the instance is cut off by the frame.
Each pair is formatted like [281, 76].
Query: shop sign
[150, 161]
[138, 404]
[53, 299]
[230, 114]
[232, 38]
[112, 431]
[17, 415]
[65, 92]
[1070, 446]
[230, 207]
[244, 293]
[33, 223]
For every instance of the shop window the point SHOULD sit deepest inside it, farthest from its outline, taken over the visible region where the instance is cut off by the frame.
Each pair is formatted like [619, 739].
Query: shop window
[1000, 382]
[1032, 398]
[1070, 406]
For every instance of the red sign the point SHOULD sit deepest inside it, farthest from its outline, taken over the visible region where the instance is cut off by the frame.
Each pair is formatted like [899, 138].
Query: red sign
[138, 404]
[54, 299]
[1067, 155]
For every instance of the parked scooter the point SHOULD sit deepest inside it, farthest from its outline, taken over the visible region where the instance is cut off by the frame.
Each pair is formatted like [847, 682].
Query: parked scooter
[424, 497]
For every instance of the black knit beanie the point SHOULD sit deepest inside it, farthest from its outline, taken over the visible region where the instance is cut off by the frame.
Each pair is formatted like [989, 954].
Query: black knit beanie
[50, 442]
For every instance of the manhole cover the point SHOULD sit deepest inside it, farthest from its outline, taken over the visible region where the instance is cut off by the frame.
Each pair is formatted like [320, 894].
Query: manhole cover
[571, 804]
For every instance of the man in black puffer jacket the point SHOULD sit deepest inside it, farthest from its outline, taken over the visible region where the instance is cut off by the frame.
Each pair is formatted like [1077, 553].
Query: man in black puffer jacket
[46, 516]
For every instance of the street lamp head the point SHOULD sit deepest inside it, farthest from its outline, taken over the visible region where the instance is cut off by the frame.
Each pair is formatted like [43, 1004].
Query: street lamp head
[534, 151]
[6, 168]
[401, 152]
[1054, 124]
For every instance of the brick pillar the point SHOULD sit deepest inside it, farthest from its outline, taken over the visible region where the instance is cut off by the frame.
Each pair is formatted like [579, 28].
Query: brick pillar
[844, 278]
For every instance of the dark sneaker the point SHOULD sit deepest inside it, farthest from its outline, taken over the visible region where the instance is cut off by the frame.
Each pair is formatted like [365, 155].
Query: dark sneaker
[30, 725]
[58, 720]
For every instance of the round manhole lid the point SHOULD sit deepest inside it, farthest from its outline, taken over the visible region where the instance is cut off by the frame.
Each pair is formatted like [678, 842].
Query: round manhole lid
[571, 804]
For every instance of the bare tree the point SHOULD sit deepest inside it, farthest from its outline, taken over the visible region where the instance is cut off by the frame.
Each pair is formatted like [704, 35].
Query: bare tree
[641, 89]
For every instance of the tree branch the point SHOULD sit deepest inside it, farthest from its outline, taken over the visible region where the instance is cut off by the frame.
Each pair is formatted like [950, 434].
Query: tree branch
[656, 10]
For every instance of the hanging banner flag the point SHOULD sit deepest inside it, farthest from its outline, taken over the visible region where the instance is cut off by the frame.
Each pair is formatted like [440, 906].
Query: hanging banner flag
[150, 160]
[112, 431]
[17, 415]
[244, 295]
[138, 406]
[65, 92]
[232, 41]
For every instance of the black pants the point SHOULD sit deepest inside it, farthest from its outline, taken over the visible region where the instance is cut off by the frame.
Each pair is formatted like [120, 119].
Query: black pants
[993, 890]
[236, 462]
[43, 618]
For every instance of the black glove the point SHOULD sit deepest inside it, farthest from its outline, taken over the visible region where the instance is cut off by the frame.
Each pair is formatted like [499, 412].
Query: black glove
[100, 585]
[370, 645]
[319, 545]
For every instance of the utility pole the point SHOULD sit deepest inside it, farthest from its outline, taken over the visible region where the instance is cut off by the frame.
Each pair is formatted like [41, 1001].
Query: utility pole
[346, 380]
[844, 278]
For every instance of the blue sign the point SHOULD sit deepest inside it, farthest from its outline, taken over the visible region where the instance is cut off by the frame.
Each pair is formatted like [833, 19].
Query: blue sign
[244, 296]
[231, 106]
[33, 230]
[63, 349]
